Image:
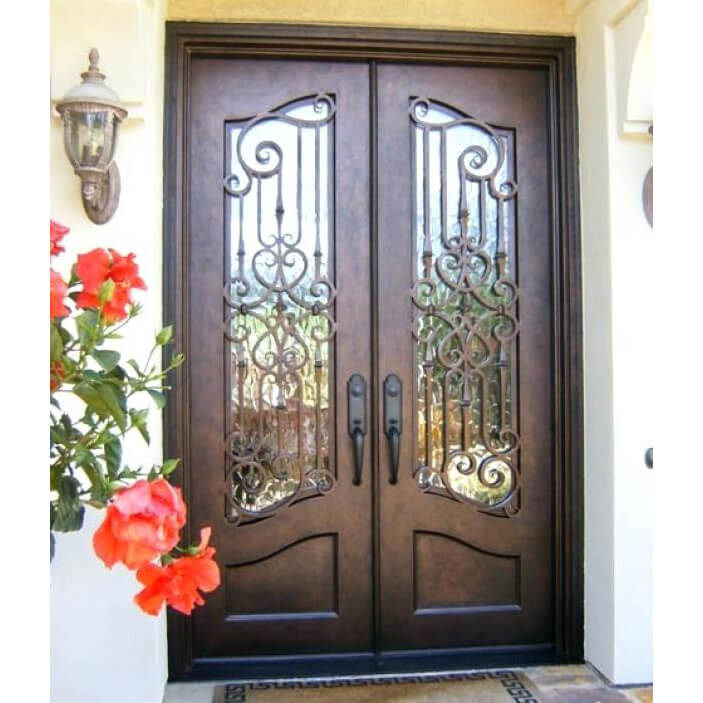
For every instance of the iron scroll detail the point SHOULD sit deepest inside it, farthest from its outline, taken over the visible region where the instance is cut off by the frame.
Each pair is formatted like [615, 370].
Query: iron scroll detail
[465, 302]
[279, 300]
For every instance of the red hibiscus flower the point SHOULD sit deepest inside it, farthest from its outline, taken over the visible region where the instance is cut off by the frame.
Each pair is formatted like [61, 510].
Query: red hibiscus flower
[56, 375]
[56, 234]
[57, 294]
[96, 267]
[125, 274]
[142, 522]
[179, 583]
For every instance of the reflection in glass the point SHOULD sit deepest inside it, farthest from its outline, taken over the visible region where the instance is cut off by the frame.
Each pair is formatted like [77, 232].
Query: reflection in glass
[279, 305]
[465, 302]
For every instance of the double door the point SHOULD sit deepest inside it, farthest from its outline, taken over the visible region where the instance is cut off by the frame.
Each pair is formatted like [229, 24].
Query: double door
[368, 286]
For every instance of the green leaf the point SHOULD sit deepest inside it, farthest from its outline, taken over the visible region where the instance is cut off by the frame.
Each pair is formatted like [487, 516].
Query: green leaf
[87, 461]
[57, 435]
[56, 350]
[107, 288]
[139, 418]
[84, 457]
[116, 402]
[103, 399]
[73, 280]
[164, 336]
[65, 335]
[68, 426]
[113, 456]
[88, 324]
[69, 365]
[92, 398]
[106, 358]
[177, 360]
[55, 472]
[117, 375]
[134, 365]
[169, 466]
[126, 473]
[100, 494]
[52, 540]
[158, 397]
[69, 510]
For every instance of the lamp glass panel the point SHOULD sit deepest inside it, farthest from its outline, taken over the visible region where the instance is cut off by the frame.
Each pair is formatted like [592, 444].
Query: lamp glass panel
[89, 142]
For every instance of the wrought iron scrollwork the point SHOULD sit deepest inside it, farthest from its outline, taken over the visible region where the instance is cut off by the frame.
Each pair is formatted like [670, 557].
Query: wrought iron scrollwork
[279, 306]
[465, 297]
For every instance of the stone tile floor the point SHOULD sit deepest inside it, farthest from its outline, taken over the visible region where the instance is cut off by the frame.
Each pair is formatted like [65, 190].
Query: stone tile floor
[554, 684]
[581, 684]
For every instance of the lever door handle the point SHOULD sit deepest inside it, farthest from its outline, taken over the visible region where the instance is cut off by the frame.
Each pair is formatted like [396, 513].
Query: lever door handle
[356, 420]
[358, 439]
[394, 444]
[393, 420]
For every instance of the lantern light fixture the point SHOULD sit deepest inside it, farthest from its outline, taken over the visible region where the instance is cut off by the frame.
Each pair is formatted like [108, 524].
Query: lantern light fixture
[91, 115]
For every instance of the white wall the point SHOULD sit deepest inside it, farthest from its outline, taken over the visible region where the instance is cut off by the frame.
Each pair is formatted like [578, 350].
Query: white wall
[103, 648]
[617, 263]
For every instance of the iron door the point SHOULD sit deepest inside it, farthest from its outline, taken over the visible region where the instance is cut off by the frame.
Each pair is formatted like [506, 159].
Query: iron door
[370, 404]
[466, 530]
[278, 321]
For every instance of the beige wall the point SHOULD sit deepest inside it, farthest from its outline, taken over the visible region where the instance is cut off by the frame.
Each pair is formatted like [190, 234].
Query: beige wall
[103, 648]
[618, 251]
[536, 16]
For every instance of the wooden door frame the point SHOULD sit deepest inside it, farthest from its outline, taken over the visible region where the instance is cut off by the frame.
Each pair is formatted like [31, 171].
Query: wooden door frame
[553, 54]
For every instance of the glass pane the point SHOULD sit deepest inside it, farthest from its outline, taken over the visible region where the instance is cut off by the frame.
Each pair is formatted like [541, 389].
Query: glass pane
[87, 136]
[465, 306]
[279, 304]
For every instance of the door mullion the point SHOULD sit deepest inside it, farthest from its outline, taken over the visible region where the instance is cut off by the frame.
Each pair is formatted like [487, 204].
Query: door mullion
[374, 348]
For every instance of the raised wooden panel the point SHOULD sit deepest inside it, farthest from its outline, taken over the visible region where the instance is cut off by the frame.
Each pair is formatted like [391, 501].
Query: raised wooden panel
[297, 581]
[452, 575]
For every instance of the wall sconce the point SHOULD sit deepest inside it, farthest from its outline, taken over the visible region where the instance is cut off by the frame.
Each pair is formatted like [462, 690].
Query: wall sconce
[91, 116]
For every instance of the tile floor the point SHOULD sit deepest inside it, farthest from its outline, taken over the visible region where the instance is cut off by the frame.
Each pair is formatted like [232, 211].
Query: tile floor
[554, 684]
[581, 684]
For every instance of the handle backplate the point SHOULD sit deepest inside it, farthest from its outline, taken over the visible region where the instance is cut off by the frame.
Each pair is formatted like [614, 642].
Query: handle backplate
[393, 420]
[356, 422]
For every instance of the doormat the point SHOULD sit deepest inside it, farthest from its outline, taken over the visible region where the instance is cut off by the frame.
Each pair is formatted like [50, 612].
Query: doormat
[478, 687]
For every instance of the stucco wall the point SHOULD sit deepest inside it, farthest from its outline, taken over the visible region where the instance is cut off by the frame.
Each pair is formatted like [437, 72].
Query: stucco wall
[103, 649]
[617, 262]
[537, 16]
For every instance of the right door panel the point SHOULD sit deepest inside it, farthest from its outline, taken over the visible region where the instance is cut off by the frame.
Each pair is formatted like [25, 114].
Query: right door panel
[465, 310]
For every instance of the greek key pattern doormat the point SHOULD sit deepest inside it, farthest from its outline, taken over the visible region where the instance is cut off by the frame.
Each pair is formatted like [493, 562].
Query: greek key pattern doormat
[478, 687]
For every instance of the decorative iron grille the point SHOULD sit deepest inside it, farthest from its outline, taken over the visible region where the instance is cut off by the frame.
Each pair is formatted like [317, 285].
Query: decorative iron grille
[279, 305]
[465, 299]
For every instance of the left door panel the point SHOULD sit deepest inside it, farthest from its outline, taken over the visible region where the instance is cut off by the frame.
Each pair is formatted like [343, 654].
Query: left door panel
[278, 320]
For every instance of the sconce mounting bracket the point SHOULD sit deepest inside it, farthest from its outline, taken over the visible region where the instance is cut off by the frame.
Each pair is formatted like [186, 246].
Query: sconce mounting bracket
[100, 199]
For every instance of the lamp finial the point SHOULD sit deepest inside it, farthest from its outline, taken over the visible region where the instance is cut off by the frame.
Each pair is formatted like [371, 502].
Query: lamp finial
[93, 57]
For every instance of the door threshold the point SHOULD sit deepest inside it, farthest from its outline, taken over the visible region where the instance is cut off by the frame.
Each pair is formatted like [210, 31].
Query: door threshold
[368, 665]
[421, 676]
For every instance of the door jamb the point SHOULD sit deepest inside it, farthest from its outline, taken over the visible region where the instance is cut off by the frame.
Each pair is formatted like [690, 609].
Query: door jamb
[556, 56]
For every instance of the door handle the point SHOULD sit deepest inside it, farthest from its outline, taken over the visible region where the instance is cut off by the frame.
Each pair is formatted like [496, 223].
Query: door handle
[393, 420]
[356, 420]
